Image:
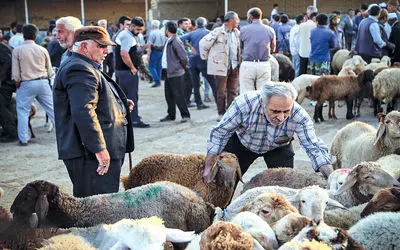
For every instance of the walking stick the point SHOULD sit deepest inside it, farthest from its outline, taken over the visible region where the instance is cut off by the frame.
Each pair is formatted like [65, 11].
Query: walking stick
[130, 161]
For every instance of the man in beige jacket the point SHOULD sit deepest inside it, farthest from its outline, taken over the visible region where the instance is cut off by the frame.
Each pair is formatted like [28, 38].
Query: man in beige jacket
[221, 49]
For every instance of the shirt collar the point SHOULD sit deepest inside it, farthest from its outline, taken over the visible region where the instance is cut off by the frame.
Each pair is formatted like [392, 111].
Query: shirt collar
[29, 42]
[87, 59]
[256, 21]
[373, 18]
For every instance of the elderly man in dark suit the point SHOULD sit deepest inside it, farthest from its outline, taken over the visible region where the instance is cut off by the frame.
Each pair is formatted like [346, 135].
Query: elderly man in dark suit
[93, 125]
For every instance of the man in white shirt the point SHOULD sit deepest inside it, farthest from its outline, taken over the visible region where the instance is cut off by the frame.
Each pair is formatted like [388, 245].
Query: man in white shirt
[304, 41]
[275, 11]
[294, 44]
[17, 39]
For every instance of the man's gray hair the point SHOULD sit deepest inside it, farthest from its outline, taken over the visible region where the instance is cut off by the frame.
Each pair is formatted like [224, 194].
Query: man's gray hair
[230, 15]
[77, 45]
[201, 22]
[278, 88]
[311, 9]
[102, 21]
[71, 23]
[155, 23]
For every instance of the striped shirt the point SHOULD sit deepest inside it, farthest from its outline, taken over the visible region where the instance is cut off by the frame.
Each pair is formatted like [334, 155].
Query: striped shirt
[246, 117]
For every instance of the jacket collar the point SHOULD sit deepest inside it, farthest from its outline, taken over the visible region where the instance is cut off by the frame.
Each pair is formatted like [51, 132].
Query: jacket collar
[86, 59]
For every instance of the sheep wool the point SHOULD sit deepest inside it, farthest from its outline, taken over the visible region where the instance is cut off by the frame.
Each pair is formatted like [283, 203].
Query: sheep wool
[339, 58]
[300, 83]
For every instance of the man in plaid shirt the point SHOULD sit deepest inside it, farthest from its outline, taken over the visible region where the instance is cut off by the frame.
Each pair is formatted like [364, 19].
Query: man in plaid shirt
[263, 123]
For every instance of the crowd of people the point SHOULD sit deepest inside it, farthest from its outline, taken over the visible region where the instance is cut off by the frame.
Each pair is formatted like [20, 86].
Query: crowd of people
[71, 73]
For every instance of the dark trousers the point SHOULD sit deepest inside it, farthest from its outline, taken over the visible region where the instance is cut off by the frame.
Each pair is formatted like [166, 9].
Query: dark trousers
[187, 85]
[85, 179]
[8, 113]
[173, 89]
[227, 89]
[198, 66]
[279, 157]
[130, 85]
[348, 40]
[108, 65]
[303, 65]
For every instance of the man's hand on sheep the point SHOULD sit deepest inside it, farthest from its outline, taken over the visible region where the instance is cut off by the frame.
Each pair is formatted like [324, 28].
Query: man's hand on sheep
[104, 161]
[131, 105]
[209, 162]
[326, 170]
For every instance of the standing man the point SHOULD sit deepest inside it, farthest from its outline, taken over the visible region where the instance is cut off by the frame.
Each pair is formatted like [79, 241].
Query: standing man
[274, 11]
[257, 42]
[283, 35]
[223, 59]
[348, 28]
[31, 71]
[304, 41]
[126, 65]
[17, 39]
[392, 8]
[174, 61]
[65, 28]
[198, 65]
[294, 44]
[263, 123]
[155, 47]
[93, 126]
[108, 64]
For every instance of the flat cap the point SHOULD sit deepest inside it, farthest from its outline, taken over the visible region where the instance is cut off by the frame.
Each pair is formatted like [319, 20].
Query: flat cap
[96, 33]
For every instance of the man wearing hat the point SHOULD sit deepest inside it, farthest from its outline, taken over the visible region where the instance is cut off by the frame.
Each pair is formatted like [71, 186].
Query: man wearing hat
[93, 125]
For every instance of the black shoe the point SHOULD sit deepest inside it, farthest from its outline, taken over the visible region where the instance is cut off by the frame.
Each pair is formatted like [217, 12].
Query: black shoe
[202, 106]
[140, 124]
[155, 85]
[167, 119]
[9, 138]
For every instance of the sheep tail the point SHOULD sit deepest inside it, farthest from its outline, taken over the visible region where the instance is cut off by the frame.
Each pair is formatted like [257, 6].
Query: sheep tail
[125, 181]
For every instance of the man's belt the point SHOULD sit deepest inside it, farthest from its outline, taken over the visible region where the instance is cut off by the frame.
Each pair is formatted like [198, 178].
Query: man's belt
[157, 48]
[258, 60]
[39, 78]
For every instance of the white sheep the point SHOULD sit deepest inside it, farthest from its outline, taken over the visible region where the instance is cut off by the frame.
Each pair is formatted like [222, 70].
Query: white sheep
[378, 231]
[359, 141]
[355, 61]
[386, 85]
[384, 62]
[310, 201]
[339, 58]
[289, 226]
[300, 83]
[337, 178]
[391, 164]
[347, 71]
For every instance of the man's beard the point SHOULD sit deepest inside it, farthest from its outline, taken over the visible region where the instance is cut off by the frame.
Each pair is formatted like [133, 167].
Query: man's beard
[63, 45]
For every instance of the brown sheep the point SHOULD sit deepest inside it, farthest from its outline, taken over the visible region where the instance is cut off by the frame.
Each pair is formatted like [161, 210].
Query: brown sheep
[386, 200]
[289, 226]
[226, 235]
[332, 88]
[188, 171]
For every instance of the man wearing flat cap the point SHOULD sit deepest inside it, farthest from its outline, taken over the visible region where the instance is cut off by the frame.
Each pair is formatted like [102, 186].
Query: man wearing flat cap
[93, 125]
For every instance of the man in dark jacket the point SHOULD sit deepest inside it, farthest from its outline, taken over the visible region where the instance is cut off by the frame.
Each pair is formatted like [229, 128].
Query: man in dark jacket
[174, 60]
[93, 125]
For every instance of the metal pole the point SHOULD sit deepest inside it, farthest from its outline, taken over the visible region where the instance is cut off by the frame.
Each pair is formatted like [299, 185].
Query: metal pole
[26, 12]
[315, 3]
[226, 6]
[146, 6]
[83, 12]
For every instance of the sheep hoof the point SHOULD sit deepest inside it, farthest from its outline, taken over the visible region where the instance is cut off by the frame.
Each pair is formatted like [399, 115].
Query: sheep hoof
[349, 117]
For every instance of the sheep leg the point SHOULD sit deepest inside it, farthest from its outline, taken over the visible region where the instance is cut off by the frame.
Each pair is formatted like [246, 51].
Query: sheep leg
[377, 106]
[320, 106]
[330, 110]
[316, 114]
[30, 128]
[334, 110]
[349, 114]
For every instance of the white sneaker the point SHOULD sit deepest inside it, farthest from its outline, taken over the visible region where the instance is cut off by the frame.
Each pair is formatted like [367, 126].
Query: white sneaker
[219, 118]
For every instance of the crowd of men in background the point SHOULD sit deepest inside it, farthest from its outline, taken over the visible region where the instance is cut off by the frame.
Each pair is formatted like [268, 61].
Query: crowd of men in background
[225, 58]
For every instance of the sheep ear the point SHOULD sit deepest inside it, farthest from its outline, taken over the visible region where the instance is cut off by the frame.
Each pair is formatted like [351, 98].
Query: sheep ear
[380, 132]
[293, 200]
[214, 169]
[239, 174]
[335, 203]
[41, 207]
[395, 192]
[179, 236]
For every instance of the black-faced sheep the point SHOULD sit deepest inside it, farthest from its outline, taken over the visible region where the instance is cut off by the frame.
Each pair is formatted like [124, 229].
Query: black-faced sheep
[178, 206]
[386, 200]
[188, 171]
[359, 141]
[285, 177]
[333, 88]
[286, 70]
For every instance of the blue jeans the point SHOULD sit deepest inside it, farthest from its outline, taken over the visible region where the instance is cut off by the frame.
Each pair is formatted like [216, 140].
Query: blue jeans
[129, 83]
[26, 93]
[296, 64]
[197, 66]
[155, 65]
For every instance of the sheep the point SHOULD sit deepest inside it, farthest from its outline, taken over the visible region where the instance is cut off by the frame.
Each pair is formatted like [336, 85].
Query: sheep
[285, 177]
[354, 62]
[339, 58]
[188, 171]
[359, 141]
[385, 85]
[146, 233]
[66, 241]
[305, 245]
[300, 83]
[274, 69]
[332, 88]
[347, 71]
[391, 164]
[384, 62]
[161, 199]
[378, 231]
[386, 200]
[258, 228]
[289, 226]
[343, 218]
[337, 178]
[310, 201]
[286, 70]
[364, 180]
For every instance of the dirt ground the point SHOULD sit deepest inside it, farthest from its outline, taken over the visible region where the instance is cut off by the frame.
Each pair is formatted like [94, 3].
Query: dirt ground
[38, 161]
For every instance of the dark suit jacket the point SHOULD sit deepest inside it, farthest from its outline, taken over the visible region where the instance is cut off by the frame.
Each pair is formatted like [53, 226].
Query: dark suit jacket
[346, 25]
[5, 65]
[88, 112]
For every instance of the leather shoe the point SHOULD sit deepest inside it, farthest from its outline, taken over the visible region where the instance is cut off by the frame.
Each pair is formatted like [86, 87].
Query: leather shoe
[166, 119]
[202, 106]
[140, 124]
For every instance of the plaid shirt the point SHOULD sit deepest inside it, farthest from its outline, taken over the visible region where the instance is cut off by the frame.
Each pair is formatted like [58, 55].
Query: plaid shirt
[246, 117]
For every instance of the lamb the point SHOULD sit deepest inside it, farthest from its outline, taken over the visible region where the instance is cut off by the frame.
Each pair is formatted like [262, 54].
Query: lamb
[386, 200]
[289, 226]
[354, 62]
[332, 88]
[391, 164]
[161, 199]
[364, 180]
[188, 171]
[378, 231]
[285, 177]
[310, 201]
[339, 58]
[286, 70]
[347, 71]
[344, 218]
[385, 62]
[359, 141]
[385, 85]
[337, 178]
[300, 83]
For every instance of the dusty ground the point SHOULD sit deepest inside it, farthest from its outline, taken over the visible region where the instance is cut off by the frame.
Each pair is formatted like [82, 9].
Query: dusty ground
[20, 165]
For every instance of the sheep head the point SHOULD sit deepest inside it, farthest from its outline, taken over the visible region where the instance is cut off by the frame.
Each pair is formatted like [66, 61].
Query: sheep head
[289, 226]
[337, 178]
[386, 200]
[365, 180]
[388, 134]
[365, 79]
[271, 207]
[226, 169]
[34, 198]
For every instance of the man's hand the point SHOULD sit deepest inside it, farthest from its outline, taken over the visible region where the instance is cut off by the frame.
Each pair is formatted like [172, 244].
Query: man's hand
[326, 170]
[209, 162]
[131, 105]
[133, 71]
[17, 84]
[104, 161]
